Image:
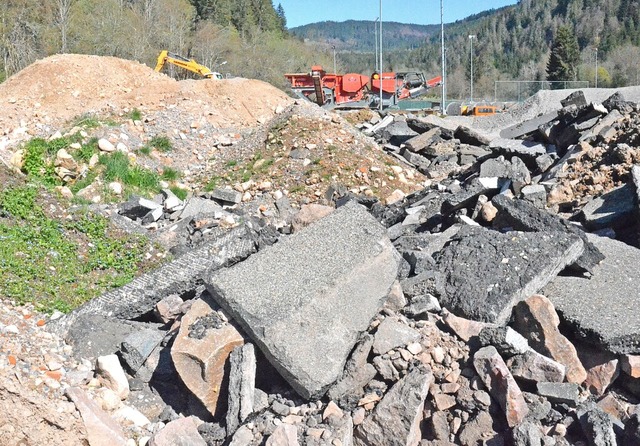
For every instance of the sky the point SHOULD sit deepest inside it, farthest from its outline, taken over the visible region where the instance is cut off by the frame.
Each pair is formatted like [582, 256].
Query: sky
[421, 12]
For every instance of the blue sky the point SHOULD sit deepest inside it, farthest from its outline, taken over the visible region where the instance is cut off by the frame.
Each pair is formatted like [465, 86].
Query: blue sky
[422, 12]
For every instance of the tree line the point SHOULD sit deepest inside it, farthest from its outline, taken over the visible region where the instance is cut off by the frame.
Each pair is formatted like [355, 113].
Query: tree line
[247, 38]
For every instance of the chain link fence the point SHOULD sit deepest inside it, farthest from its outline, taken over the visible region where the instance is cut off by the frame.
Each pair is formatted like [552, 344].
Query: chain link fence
[518, 91]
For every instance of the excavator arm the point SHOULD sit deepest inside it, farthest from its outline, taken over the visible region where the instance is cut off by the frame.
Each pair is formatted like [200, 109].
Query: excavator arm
[188, 64]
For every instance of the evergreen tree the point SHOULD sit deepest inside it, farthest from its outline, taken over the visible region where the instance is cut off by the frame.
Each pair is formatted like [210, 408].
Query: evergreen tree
[564, 58]
[282, 17]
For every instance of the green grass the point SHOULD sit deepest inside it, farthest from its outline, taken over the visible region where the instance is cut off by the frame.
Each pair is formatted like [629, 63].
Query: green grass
[58, 265]
[145, 150]
[169, 174]
[117, 168]
[87, 150]
[178, 192]
[232, 163]
[36, 163]
[135, 115]
[161, 143]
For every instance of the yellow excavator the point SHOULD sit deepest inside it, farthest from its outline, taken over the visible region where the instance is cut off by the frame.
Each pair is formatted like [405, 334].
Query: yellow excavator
[188, 64]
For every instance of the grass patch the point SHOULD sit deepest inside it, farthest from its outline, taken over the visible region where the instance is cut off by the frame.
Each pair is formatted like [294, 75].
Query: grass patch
[232, 163]
[179, 192]
[161, 143]
[87, 150]
[145, 150]
[117, 168]
[58, 265]
[135, 115]
[212, 184]
[36, 164]
[169, 174]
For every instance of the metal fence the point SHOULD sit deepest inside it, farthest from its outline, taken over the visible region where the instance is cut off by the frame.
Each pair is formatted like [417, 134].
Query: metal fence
[518, 91]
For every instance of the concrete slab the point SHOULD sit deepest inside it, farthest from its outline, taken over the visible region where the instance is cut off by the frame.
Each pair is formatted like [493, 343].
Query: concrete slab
[487, 272]
[604, 310]
[305, 300]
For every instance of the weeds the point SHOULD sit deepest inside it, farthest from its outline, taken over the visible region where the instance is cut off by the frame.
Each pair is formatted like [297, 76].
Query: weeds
[161, 143]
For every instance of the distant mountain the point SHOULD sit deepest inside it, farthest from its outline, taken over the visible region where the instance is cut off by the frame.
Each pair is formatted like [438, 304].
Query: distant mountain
[360, 35]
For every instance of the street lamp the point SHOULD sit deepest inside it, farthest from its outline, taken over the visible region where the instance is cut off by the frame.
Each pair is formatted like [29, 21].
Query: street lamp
[334, 60]
[381, 69]
[596, 67]
[444, 70]
[471, 37]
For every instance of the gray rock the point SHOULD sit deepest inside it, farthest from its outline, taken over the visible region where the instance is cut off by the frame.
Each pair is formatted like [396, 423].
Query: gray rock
[421, 306]
[137, 207]
[576, 98]
[615, 209]
[596, 425]
[348, 269]
[501, 385]
[94, 335]
[609, 120]
[467, 135]
[242, 386]
[137, 347]
[357, 373]
[180, 432]
[612, 323]
[522, 129]
[396, 419]
[393, 333]
[398, 132]
[197, 206]
[226, 195]
[487, 273]
[617, 102]
[521, 215]
[506, 340]
[495, 167]
[420, 162]
[535, 194]
[528, 151]
[520, 176]
[467, 195]
[385, 368]
[424, 140]
[283, 435]
[567, 393]
[527, 434]
[531, 366]
[468, 154]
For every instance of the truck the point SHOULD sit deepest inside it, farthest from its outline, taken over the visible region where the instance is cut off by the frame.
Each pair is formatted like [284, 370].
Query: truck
[353, 90]
[188, 64]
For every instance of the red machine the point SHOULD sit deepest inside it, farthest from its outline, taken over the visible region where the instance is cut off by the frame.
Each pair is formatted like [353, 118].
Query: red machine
[354, 91]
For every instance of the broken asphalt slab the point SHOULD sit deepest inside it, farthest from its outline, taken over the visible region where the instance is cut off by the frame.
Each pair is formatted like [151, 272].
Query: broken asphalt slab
[487, 272]
[306, 299]
[604, 310]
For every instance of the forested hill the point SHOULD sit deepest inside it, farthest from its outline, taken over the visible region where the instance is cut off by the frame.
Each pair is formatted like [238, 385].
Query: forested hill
[360, 35]
[512, 43]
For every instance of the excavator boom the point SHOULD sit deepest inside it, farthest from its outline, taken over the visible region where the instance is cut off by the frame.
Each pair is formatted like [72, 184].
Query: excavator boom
[188, 64]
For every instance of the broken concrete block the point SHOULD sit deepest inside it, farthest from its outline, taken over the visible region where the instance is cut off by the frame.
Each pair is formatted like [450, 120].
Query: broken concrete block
[519, 175]
[630, 365]
[182, 431]
[200, 351]
[576, 98]
[171, 201]
[392, 333]
[283, 435]
[424, 140]
[396, 419]
[535, 194]
[521, 215]
[525, 128]
[226, 195]
[617, 102]
[137, 347]
[528, 151]
[242, 386]
[397, 133]
[348, 390]
[597, 425]
[465, 329]
[102, 430]
[531, 366]
[470, 136]
[536, 319]
[506, 340]
[483, 285]
[110, 371]
[385, 368]
[612, 323]
[500, 383]
[169, 308]
[468, 154]
[329, 279]
[614, 209]
[137, 207]
[602, 368]
[527, 433]
[566, 393]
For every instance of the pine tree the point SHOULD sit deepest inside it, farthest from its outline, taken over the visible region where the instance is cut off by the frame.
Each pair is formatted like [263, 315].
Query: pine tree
[565, 56]
[282, 17]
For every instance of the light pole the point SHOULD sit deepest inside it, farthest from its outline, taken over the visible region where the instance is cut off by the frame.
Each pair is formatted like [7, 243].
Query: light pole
[443, 110]
[381, 69]
[334, 60]
[471, 37]
[596, 67]
[375, 31]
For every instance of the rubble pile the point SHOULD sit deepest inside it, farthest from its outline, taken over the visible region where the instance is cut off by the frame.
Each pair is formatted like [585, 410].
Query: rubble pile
[487, 308]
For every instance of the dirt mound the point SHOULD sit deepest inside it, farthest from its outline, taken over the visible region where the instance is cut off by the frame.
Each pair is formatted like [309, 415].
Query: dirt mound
[46, 95]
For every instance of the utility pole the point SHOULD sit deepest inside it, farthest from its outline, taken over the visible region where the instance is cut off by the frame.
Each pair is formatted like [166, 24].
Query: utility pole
[596, 67]
[471, 37]
[443, 109]
[381, 69]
